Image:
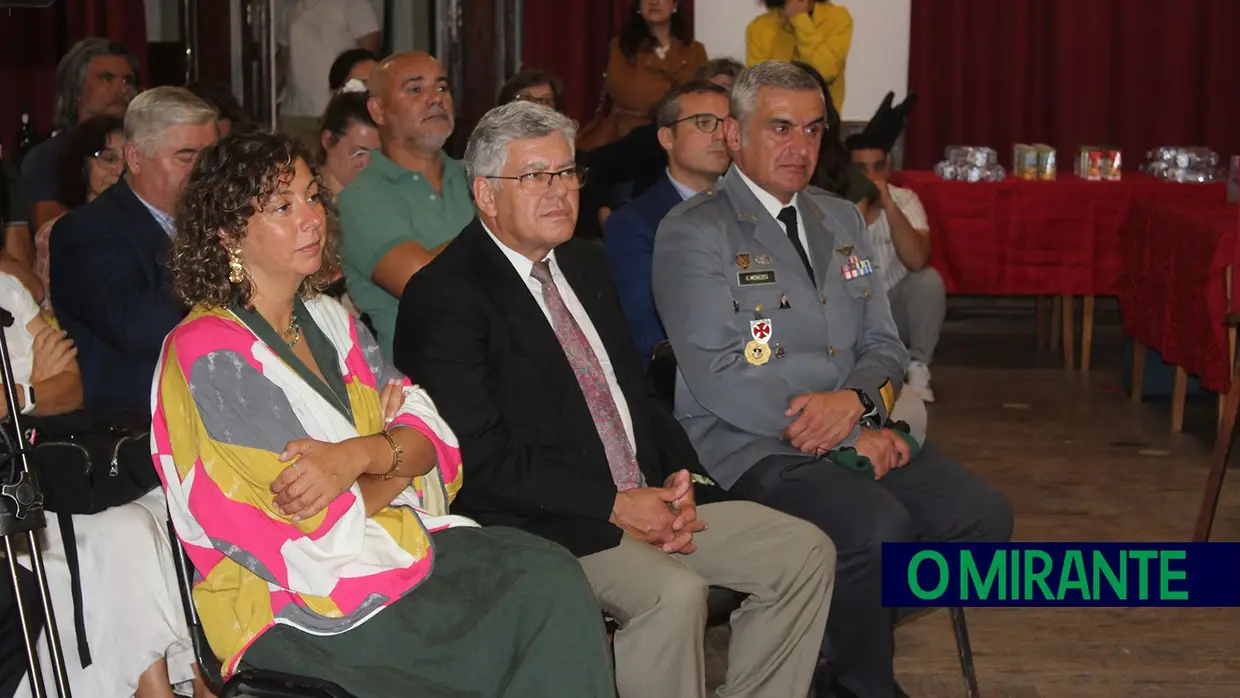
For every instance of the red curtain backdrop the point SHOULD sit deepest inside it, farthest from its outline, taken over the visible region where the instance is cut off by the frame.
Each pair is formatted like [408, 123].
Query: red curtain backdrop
[570, 38]
[32, 42]
[1130, 73]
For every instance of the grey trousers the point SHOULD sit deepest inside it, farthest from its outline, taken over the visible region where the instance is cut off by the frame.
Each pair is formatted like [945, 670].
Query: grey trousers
[919, 305]
[785, 565]
[932, 498]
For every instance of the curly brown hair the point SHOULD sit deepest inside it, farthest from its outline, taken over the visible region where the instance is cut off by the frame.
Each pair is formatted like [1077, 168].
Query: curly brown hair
[231, 181]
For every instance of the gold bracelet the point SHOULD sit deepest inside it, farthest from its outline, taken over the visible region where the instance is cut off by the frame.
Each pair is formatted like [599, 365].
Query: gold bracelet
[397, 451]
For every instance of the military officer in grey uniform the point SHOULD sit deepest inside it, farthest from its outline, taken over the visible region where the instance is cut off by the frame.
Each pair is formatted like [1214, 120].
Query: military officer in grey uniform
[789, 363]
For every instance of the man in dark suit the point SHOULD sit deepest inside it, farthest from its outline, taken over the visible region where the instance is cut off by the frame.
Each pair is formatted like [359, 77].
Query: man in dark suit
[110, 289]
[689, 120]
[517, 334]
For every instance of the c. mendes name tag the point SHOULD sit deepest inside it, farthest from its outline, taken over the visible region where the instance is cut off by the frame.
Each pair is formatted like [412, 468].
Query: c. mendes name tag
[755, 278]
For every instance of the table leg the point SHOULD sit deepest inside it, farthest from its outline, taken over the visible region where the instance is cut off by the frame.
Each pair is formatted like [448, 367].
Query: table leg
[1039, 314]
[1138, 371]
[1179, 393]
[1218, 468]
[1231, 351]
[1087, 332]
[1069, 341]
[1222, 397]
[1056, 311]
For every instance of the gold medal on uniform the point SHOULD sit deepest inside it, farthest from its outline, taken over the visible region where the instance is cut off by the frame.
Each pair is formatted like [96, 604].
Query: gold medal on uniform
[757, 353]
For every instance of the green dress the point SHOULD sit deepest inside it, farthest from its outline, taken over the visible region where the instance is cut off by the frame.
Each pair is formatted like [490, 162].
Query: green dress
[503, 614]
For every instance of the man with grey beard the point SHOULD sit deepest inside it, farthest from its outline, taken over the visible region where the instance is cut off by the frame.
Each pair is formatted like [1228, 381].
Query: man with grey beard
[411, 199]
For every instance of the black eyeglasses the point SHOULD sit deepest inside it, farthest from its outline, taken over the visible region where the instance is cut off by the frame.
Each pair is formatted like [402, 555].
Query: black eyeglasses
[108, 158]
[545, 101]
[572, 178]
[706, 123]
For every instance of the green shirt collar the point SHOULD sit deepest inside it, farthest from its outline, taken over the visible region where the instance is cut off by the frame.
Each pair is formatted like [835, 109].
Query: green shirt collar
[383, 166]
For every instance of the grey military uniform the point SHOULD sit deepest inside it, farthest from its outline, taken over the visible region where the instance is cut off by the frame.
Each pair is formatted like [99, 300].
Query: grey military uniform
[721, 262]
[725, 247]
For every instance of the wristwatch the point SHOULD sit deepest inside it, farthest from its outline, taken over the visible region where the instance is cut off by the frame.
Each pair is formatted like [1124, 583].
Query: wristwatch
[28, 396]
[869, 414]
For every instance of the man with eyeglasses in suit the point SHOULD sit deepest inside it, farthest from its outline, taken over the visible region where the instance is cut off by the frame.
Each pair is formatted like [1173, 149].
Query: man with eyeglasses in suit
[689, 119]
[516, 333]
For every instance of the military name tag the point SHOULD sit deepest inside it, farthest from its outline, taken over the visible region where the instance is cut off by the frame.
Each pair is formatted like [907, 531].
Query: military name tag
[755, 278]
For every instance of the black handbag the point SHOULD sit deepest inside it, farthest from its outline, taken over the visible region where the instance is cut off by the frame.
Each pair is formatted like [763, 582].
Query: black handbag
[87, 462]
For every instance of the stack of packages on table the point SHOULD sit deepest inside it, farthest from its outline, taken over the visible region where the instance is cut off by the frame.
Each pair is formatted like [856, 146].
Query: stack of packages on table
[1098, 163]
[1194, 164]
[968, 163]
[1034, 162]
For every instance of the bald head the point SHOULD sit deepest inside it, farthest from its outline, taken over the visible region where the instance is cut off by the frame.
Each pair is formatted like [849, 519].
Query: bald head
[411, 102]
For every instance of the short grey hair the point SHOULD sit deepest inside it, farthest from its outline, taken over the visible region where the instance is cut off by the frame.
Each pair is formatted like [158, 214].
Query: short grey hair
[160, 108]
[71, 76]
[777, 74]
[487, 151]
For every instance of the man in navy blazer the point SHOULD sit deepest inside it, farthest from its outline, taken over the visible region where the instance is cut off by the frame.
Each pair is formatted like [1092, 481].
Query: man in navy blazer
[111, 290]
[689, 119]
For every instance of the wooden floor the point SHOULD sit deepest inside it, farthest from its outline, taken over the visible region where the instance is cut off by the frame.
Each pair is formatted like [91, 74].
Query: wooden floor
[1079, 462]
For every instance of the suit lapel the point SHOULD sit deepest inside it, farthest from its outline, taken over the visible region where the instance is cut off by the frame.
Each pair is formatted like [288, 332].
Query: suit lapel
[145, 234]
[590, 292]
[510, 294]
[668, 195]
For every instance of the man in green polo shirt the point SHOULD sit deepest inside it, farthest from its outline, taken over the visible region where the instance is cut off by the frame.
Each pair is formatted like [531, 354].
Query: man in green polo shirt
[411, 199]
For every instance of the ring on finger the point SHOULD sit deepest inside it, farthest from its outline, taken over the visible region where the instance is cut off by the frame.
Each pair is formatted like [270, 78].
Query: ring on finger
[297, 468]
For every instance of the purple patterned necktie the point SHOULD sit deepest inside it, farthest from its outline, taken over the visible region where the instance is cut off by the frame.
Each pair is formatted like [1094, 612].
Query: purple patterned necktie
[593, 382]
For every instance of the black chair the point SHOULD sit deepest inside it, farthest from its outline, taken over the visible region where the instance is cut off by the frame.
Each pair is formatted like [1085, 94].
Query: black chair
[663, 374]
[252, 683]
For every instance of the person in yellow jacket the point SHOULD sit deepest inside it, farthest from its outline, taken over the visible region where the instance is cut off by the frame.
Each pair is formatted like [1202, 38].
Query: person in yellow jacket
[818, 33]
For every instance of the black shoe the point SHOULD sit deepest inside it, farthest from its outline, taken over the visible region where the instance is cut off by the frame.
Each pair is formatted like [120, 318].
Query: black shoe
[832, 688]
[823, 686]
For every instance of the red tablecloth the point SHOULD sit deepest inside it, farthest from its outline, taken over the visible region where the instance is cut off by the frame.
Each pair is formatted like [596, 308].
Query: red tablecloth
[1171, 292]
[1017, 237]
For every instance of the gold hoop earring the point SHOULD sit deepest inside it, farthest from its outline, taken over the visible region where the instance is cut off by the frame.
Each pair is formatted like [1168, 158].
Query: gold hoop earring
[236, 272]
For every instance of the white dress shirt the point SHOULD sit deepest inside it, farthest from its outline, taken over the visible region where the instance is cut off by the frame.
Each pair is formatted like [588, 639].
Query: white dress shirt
[773, 207]
[888, 263]
[315, 32]
[524, 266]
[685, 192]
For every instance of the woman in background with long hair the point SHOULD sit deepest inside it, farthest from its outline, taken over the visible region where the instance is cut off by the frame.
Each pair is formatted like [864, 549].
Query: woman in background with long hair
[653, 53]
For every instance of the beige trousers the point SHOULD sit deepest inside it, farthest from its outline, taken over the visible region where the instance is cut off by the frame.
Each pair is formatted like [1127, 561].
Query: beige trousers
[785, 565]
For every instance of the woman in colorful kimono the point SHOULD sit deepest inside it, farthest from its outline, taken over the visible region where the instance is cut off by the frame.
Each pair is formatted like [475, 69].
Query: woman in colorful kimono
[310, 482]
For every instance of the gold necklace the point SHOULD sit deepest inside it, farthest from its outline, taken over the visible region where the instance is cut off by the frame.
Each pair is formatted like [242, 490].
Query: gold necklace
[292, 334]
